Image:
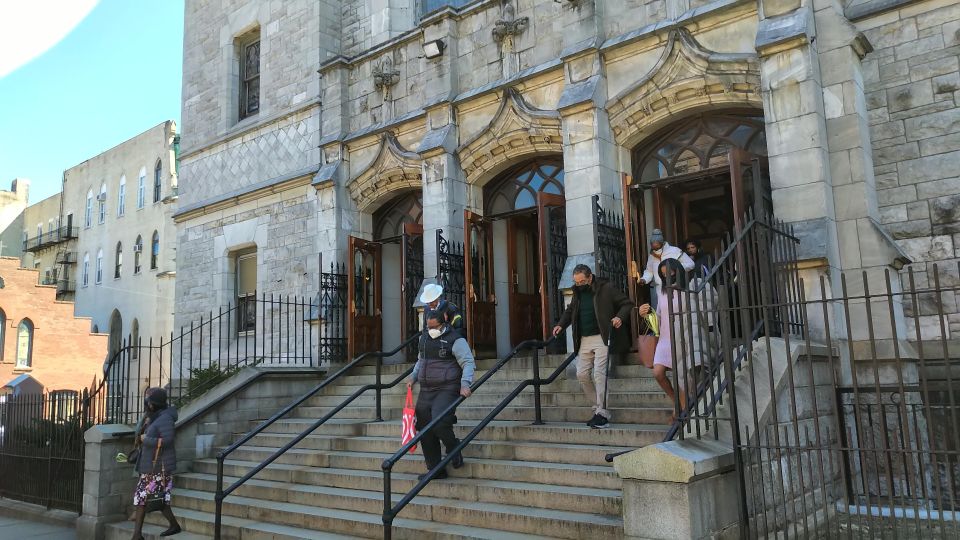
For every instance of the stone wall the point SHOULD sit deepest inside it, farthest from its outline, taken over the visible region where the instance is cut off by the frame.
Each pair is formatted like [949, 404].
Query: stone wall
[913, 87]
[279, 227]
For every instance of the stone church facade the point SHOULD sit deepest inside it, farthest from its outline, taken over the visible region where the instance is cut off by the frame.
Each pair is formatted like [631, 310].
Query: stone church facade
[352, 132]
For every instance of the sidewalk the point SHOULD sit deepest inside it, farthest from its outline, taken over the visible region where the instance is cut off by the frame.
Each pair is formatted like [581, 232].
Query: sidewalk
[23, 529]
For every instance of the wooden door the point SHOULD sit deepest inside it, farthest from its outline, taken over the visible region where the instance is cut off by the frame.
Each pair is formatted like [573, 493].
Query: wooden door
[363, 286]
[481, 298]
[552, 222]
[523, 261]
[411, 256]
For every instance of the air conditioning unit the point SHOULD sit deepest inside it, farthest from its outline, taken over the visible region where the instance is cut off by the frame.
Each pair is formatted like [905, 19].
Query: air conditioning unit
[137, 249]
[102, 197]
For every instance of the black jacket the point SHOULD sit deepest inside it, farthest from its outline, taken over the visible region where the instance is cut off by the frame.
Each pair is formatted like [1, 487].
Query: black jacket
[162, 427]
[608, 302]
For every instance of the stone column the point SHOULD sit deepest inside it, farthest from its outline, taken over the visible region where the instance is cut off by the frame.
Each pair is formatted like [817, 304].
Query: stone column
[107, 485]
[590, 155]
[444, 198]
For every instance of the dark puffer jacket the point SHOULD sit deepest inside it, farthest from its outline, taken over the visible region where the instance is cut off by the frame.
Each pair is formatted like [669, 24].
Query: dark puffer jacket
[608, 302]
[160, 428]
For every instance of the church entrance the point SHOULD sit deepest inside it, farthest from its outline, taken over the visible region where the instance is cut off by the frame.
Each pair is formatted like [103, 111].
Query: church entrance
[383, 279]
[514, 256]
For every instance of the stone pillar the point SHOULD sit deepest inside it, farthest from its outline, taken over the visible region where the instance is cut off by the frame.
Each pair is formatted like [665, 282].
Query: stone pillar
[107, 485]
[444, 194]
[696, 477]
[590, 155]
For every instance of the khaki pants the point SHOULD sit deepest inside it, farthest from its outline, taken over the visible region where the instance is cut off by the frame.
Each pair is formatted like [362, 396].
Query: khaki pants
[593, 356]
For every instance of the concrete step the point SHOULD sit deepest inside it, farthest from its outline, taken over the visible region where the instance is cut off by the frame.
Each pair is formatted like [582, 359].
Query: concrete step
[302, 512]
[152, 527]
[574, 454]
[504, 387]
[547, 399]
[630, 435]
[509, 373]
[354, 525]
[297, 465]
[548, 361]
[647, 415]
[574, 499]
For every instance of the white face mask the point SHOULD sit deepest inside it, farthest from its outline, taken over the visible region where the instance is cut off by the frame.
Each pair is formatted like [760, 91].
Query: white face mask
[434, 332]
[658, 251]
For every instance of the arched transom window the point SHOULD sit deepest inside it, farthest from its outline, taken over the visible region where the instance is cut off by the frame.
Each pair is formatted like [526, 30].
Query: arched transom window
[699, 144]
[389, 219]
[517, 189]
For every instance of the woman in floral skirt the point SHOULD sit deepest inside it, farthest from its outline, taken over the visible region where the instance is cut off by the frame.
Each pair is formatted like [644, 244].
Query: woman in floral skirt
[158, 460]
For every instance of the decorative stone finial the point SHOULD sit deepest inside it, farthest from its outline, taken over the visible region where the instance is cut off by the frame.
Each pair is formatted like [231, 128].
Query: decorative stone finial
[509, 25]
[384, 75]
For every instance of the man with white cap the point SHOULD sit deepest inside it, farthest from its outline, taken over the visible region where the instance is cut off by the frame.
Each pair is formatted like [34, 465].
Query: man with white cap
[432, 299]
[660, 251]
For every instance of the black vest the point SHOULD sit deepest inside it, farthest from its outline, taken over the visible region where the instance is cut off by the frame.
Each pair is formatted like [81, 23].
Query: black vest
[439, 367]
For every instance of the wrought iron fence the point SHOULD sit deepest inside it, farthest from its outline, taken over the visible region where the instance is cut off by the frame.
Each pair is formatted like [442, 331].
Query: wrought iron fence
[838, 398]
[42, 448]
[286, 331]
[451, 270]
[332, 306]
[611, 243]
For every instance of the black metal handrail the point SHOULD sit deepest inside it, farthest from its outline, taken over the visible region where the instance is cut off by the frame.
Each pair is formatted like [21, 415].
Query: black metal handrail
[701, 393]
[379, 386]
[390, 511]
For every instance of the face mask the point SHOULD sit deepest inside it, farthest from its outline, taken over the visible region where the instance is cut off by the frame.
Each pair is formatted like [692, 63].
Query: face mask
[658, 251]
[434, 332]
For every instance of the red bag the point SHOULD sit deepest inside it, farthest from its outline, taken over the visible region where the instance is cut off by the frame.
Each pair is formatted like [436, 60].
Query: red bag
[409, 422]
[646, 349]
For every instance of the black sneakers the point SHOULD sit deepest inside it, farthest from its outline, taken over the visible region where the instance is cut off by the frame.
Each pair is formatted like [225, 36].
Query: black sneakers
[598, 422]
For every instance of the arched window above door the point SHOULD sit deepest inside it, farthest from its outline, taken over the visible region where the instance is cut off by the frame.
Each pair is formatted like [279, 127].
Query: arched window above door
[390, 218]
[699, 144]
[517, 189]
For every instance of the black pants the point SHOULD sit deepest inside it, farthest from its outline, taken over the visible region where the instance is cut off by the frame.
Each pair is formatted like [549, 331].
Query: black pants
[433, 401]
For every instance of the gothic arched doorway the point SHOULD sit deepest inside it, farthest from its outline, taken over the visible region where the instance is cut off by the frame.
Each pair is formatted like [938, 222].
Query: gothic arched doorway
[384, 276]
[696, 180]
[516, 251]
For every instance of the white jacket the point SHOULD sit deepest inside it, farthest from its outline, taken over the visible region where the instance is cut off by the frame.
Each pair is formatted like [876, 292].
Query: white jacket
[651, 276]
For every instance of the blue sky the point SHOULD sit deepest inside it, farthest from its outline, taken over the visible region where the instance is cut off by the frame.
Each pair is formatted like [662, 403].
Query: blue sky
[116, 74]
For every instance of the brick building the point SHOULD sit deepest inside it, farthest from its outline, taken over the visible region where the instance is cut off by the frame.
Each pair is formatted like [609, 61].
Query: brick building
[41, 337]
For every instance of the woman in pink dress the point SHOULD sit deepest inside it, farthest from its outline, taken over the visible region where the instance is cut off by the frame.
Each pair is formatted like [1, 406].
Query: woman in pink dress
[699, 316]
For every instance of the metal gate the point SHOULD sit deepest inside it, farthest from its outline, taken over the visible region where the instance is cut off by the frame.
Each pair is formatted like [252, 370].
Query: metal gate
[42, 448]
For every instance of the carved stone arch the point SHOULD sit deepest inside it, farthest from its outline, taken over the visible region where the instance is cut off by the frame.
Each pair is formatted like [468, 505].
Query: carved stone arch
[516, 130]
[394, 169]
[687, 76]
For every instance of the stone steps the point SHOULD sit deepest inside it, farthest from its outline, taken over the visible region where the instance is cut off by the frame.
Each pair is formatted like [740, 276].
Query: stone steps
[358, 525]
[574, 454]
[647, 415]
[547, 399]
[519, 480]
[329, 481]
[296, 466]
[301, 510]
[504, 387]
[630, 435]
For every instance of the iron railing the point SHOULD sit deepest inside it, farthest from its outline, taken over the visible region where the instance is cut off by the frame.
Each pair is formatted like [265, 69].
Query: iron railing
[839, 399]
[332, 313]
[610, 239]
[221, 493]
[50, 238]
[451, 270]
[391, 510]
[207, 352]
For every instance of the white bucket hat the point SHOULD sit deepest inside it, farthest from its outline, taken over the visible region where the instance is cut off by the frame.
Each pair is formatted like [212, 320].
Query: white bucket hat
[430, 293]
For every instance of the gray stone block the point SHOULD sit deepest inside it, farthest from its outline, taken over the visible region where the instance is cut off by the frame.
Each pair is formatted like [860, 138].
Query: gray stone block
[945, 209]
[909, 96]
